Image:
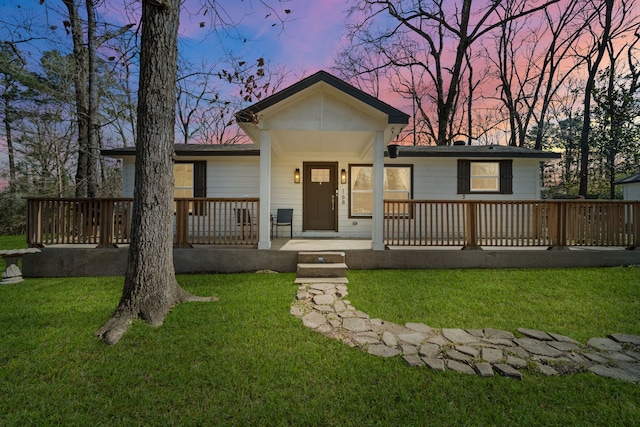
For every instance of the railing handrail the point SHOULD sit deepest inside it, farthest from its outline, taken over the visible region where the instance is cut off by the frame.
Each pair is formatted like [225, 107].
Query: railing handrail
[554, 223]
[106, 221]
[471, 223]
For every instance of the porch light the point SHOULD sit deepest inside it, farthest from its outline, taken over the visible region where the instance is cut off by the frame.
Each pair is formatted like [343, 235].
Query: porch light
[296, 176]
[343, 176]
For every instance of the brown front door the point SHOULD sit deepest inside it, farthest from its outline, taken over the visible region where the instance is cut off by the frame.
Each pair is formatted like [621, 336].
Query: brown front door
[320, 202]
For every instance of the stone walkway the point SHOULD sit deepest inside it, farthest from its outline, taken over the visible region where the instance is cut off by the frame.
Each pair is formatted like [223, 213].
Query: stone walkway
[484, 352]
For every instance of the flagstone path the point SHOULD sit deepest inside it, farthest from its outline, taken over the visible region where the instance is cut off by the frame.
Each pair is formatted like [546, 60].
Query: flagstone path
[483, 352]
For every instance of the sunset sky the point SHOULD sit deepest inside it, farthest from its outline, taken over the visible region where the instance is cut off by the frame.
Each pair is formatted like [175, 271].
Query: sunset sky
[306, 44]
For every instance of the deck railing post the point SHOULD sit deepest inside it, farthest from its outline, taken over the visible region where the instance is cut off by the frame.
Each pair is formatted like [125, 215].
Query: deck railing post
[182, 224]
[106, 223]
[34, 223]
[471, 229]
[635, 224]
[559, 234]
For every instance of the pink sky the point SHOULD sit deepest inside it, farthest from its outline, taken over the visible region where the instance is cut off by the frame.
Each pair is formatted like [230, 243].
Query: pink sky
[308, 43]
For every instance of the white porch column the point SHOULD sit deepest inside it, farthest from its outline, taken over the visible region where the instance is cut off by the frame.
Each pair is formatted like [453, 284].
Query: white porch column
[378, 193]
[264, 240]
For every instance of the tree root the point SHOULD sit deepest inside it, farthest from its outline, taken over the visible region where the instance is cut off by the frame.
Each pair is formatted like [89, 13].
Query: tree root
[114, 329]
[185, 296]
[117, 326]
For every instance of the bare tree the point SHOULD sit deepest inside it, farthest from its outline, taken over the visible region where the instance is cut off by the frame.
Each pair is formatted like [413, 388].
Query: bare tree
[613, 132]
[532, 60]
[93, 126]
[616, 18]
[119, 101]
[86, 90]
[10, 64]
[563, 134]
[437, 34]
[196, 97]
[81, 56]
[209, 95]
[118, 94]
[350, 67]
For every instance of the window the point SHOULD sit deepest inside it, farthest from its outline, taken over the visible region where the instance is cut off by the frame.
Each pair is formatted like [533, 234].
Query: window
[320, 175]
[183, 180]
[397, 186]
[190, 180]
[485, 177]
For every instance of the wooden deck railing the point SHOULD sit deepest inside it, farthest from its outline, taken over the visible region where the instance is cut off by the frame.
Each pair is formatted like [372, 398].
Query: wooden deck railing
[550, 223]
[217, 221]
[235, 221]
[107, 222]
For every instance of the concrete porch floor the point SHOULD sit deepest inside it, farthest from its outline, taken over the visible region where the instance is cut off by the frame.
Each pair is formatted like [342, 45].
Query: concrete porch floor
[311, 245]
[86, 260]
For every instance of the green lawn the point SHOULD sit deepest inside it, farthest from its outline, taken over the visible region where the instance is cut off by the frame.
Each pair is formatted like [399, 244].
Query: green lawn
[244, 360]
[13, 242]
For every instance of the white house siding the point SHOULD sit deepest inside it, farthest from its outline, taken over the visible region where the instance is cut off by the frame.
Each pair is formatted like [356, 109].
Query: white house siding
[433, 179]
[128, 176]
[231, 177]
[631, 191]
[436, 179]
[323, 108]
[227, 176]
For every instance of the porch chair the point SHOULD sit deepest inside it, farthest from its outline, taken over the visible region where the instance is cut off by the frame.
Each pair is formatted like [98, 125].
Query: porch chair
[283, 218]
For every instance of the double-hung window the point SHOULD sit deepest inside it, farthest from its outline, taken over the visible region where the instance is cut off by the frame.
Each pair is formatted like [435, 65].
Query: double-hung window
[397, 186]
[190, 180]
[485, 176]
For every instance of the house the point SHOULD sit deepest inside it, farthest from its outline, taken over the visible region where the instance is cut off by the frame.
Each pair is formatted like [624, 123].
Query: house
[630, 186]
[320, 148]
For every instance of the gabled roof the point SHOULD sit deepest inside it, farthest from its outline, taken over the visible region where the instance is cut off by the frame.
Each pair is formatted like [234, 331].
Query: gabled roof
[395, 116]
[629, 179]
[474, 151]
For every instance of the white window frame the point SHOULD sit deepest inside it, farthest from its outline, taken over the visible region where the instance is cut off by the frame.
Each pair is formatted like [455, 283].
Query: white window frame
[473, 178]
[409, 193]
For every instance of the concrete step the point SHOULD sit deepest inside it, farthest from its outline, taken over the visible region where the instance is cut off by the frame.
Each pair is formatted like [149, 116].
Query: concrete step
[336, 269]
[320, 257]
[335, 280]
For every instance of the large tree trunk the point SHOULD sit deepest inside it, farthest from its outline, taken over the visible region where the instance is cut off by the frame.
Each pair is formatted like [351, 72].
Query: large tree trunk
[8, 120]
[150, 288]
[586, 122]
[92, 113]
[80, 79]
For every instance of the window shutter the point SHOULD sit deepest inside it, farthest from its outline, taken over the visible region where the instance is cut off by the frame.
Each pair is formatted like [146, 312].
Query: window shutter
[506, 176]
[200, 179]
[200, 186]
[464, 176]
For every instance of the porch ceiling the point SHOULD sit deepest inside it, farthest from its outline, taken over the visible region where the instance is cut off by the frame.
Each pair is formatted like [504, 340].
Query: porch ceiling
[285, 142]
